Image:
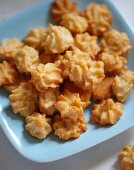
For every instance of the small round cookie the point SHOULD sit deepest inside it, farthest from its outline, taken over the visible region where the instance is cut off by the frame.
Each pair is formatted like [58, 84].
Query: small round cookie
[8, 73]
[75, 66]
[99, 18]
[24, 99]
[127, 158]
[113, 63]
[117, 42]
[9, 47]
[107, 112]
[87, 43]
[35, 37]
[75, 23]
[57, 39]
[38, 125]
[123, 85]
[66, 129]
[46, 76]
[26, 59]
[69, 105]
[61, 7]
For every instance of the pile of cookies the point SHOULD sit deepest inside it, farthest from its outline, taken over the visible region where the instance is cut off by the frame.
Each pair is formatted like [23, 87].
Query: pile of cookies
[55, 73]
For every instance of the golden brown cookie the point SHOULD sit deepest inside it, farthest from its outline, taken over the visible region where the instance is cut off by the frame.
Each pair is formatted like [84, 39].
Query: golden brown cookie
[46, 76]
[69, 105]
[127, 158]
[107, 112]
[66, 129]
[113, 63]
[26, 59]
[9, 47]
[99, 18]
[8, 73]
[117, 42]
[38, 125]
[35, 37]
[61, 7]
[74, 23]
[123, 85]
[87, 43]
[57, 39]
[24, 99]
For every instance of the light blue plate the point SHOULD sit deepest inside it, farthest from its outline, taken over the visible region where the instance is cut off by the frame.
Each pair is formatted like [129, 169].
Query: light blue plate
[51, 148]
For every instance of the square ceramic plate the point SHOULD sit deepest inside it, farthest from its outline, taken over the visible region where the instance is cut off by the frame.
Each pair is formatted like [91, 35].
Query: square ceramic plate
[51, 148]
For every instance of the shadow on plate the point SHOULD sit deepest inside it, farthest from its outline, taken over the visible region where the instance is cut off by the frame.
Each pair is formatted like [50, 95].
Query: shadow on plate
[9, 112]
[3, 92]
[30, 138]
